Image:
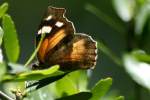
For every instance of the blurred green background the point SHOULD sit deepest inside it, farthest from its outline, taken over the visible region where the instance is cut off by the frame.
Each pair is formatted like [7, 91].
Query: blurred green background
[111, 29]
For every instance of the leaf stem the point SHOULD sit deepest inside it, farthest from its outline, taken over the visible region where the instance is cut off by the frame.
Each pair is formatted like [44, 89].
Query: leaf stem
[131, 44]
[109, 53]
[35, 51]
[4, 96]
[105, 18]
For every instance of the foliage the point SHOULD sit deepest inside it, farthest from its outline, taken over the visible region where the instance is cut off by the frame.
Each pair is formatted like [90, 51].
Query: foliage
[135, 14]
[51, 83]
[20, 82]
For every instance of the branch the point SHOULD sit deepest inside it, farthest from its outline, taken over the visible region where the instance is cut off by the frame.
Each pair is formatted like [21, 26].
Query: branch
[3, 95]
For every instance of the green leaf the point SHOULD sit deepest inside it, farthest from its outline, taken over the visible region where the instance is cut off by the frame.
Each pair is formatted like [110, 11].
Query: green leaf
[34, 75]
[2, 70]
[141, 56]
[125, 9]
[1, 35]
[11, 42]
[120, 98]
[80, 78]
[17, 68]
[46, 81]
[100, 89]
[1, 56]
[141, 18]
[45, 93]
[65, 87]
[3, 9]
[138, 70]
[79, 96]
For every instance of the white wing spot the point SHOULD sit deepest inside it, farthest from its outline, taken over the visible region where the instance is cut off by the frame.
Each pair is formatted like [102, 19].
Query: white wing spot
[46, 29]
[39, 32]
[48, 18]
[59, 24]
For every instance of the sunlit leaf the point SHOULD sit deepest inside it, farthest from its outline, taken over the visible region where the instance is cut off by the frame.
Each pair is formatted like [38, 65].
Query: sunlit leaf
[11, 87]
[11, 42]
[125, 9]
[2, 70]
[141, 18]
[1, 56]
[65, 87]
[138, 70]
[141, 56]
[34, 75]
[44, 93]
[80, 78]
[79, 96]
[17, 68]
[100, 89]
[46, 81]
[1, 35]
[120, 98]
[3, 9]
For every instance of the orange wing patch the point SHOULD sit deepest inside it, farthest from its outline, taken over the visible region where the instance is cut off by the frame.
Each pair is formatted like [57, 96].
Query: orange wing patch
[53, 41]
[42, 50]
[49, 43]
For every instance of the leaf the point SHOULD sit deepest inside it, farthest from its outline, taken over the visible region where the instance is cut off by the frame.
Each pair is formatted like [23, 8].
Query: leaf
[65, 87]
[45, 93]
[125, 9]
[1, 35]
[1, 56]
[138, 70]
[3, 9]
[2, 70]
[120, 98]
[79, 96]
[11, 42]
[17, 68]
[34, 75]
[80, 79]
[43, 82]
[141, 56]
[100, 89]
[141, 18]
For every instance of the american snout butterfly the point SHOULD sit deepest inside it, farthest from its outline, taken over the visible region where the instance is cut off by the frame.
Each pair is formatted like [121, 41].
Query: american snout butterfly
[62, 45]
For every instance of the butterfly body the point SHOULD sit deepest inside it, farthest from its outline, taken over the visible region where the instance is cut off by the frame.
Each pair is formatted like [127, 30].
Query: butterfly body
[62, 45]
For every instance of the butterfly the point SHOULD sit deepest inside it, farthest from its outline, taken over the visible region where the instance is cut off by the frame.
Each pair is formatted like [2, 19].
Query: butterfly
[62, 45]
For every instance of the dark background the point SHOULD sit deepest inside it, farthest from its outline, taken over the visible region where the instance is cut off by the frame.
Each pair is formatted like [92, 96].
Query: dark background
[27, 15]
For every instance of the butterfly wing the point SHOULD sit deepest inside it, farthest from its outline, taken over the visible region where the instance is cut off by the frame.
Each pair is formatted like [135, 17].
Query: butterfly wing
[80, 53]
[59, 31]
[61, 46]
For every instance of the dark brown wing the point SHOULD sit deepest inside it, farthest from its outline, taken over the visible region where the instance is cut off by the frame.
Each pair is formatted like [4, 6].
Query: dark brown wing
[58, 29]
[80, 53]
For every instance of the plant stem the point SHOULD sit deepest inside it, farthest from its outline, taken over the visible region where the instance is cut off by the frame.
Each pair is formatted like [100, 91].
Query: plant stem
[105, 18]
[131, 44]
[4, 96]
[35, 51]
[137, 89]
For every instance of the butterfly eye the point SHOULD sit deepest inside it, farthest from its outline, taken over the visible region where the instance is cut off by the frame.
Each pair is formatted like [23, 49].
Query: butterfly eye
[59, 24]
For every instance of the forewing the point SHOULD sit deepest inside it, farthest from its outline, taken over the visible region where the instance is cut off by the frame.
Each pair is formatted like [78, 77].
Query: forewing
[58, 29]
